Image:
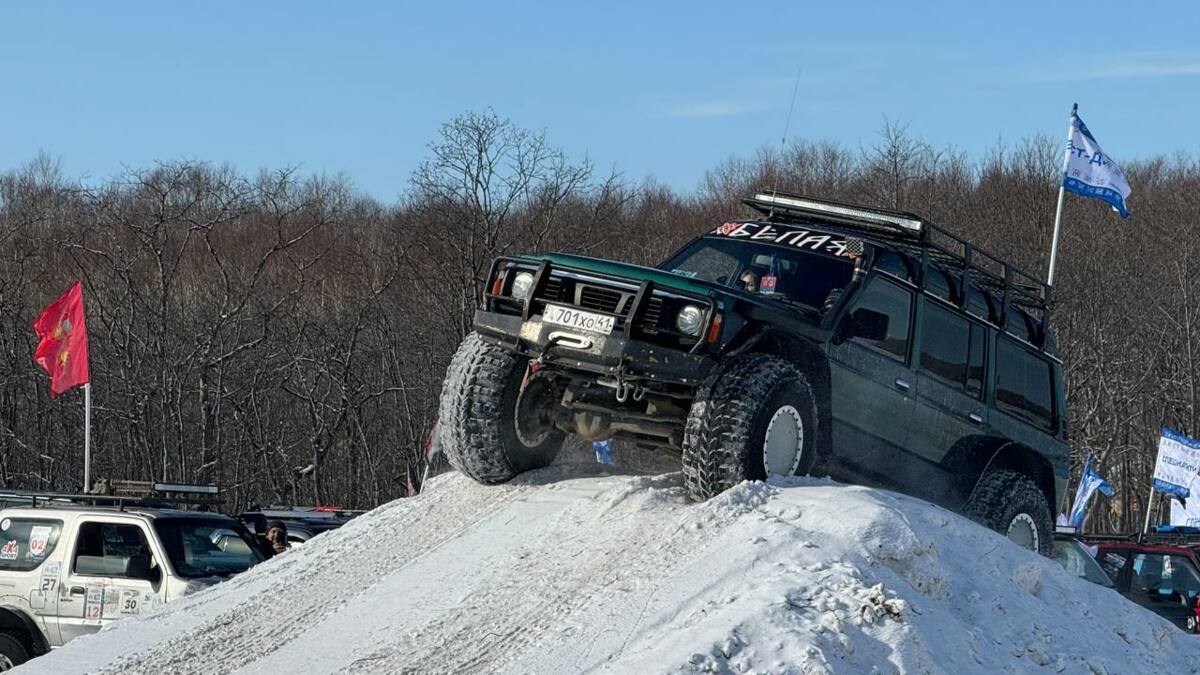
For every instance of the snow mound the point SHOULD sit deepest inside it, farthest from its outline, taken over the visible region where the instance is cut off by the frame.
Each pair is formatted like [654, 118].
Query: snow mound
[567, 570]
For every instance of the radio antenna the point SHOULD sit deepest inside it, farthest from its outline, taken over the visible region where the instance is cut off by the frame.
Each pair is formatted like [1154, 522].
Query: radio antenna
[786, 126]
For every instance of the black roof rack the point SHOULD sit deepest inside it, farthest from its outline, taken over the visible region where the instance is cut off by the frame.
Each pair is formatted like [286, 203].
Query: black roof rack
[1150, 538]
[120, 494]
[918, 238]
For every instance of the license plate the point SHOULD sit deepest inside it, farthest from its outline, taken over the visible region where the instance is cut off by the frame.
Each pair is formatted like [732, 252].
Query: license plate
[577, 318]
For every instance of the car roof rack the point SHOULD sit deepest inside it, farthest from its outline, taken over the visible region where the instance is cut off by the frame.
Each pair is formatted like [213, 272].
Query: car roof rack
[919, 238]
[120, 494]
[1187, 540]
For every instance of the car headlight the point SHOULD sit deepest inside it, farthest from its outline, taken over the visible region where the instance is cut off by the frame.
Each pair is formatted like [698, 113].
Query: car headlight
[522, 285]
[689, 320]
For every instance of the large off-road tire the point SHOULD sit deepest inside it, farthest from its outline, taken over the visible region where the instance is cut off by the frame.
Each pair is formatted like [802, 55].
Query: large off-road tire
[478, 420]
[1011, 504]
[754, 418]
[13, 651]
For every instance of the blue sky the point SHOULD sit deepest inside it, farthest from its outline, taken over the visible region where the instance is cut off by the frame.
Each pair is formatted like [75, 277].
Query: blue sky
[662, 89]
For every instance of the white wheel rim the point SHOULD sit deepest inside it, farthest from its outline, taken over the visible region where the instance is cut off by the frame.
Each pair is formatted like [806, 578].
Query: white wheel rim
[6, 663]
[784, 442]
[1023, 531]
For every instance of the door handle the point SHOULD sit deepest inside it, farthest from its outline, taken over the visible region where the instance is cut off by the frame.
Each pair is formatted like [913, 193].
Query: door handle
[975, 419]
[903, 385]
[77, 590]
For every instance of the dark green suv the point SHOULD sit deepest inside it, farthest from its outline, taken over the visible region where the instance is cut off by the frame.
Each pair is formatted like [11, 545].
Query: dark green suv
[867, 344]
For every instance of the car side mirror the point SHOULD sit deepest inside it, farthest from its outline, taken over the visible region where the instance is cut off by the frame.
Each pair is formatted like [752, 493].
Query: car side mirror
[867, 324]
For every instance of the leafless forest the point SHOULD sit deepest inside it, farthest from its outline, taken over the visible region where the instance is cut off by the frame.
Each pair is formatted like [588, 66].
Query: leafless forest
[286, 336]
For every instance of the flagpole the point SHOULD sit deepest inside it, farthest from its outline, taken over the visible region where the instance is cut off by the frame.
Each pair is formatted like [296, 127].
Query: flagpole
[87, 438]
[1149, 509]
[1062, 193]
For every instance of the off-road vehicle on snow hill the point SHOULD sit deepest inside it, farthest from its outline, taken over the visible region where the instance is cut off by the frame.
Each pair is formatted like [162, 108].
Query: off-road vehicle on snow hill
[868, 344]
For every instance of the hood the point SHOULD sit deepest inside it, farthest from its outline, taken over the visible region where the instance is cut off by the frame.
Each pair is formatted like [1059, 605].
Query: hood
[634, 273]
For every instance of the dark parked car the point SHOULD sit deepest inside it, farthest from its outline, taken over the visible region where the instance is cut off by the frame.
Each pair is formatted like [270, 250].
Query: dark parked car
[302, 522]
[1161, 574]
[866, 343]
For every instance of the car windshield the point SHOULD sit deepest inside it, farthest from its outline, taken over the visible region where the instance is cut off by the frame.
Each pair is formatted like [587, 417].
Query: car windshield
[202, 547]
[1077, 560]
[808, 278]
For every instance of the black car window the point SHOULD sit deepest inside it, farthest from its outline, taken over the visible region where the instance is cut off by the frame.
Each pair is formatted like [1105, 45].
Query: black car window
[895, 303]
[197, 548]
[945, 343]
[1023, 385]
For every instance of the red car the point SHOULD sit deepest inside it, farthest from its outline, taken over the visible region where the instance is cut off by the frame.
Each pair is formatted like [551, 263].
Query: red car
[1162, 576]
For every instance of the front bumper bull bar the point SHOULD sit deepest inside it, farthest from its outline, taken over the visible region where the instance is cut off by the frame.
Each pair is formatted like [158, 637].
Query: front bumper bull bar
[613, 355]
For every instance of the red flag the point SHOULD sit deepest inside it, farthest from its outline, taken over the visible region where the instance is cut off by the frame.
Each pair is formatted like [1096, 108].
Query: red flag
[62, 349]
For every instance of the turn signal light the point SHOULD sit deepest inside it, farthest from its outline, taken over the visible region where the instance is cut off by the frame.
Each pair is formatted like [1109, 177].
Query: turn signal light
[714, 330]
[498, 284]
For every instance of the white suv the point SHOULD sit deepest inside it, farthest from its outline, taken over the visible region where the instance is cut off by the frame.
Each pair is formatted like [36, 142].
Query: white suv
[67, 570]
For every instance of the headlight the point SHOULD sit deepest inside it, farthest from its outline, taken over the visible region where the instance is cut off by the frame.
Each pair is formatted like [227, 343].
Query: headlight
[689, 319]
[522, 285]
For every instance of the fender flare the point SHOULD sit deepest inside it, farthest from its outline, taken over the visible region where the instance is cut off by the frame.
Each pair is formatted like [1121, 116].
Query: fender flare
[1008, 454]
[16, 618]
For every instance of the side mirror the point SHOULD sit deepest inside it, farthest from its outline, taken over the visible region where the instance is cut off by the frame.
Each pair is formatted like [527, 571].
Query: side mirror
[866, 323]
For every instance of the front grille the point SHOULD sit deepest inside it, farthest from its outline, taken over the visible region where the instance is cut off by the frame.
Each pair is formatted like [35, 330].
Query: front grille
[552, 289]
[656, 317]
[600, 299]
[652, 315]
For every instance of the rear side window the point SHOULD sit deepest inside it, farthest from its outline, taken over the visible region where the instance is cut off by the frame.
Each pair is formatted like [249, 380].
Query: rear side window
[895, 303]
[1023, 384]
[952, 349]
[945, 342]
[26, 542]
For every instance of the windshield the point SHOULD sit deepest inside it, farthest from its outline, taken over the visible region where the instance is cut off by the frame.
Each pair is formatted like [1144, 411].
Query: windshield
[1077, 560]
[201, 547]
[809, 278]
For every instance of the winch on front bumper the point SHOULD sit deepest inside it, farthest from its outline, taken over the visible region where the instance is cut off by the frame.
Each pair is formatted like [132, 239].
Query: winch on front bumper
[611, 355]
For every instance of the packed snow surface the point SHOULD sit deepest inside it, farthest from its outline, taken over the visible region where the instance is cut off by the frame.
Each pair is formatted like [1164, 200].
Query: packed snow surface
[567, 570]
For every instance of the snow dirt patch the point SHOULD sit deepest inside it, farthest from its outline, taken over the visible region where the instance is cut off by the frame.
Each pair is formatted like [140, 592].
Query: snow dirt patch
[572, 569]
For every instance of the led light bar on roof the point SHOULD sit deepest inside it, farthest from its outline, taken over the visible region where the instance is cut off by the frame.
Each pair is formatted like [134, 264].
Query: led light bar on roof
[825, 208]
[180, 487]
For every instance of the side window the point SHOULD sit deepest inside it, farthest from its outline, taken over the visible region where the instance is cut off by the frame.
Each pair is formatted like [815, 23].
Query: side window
[945, 343]
[1113, 562]
[1155, 574]
[112, 550]
[26, 542]
[892, 305]
[1023, 385]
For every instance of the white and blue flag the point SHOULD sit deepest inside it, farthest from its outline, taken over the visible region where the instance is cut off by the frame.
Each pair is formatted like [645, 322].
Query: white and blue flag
[1090, 172]
[1089, 482]
[1178, 462]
